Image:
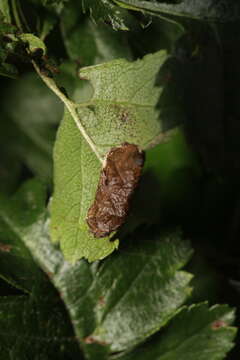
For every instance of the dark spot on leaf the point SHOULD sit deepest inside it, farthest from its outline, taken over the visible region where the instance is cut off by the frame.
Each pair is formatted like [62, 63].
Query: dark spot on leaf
[5, 247]
[118, 180]
[124, 116]
[92, 108]
[218, 324]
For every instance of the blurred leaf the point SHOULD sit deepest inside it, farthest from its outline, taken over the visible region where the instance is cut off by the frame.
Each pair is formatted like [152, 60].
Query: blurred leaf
[17, 266]
[8, 70]
[198, 60]
[34, 112]
[121, 109]
[229, 35]
[76, 178]
[57, 5]
[6, 46]
[160, 34]
[168, 184]
[207, 282]
[4, 9]
[49, 20]
[36, 328]
[197, 332]
[89, 43]
[224, 10]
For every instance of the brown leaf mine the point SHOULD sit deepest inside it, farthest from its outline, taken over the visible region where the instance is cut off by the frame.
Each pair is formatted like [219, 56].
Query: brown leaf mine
[118, 180]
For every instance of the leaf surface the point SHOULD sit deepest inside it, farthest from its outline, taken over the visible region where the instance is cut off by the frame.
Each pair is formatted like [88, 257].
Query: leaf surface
[90, 43]
[36, 328]
[105, 300]
[122, 109]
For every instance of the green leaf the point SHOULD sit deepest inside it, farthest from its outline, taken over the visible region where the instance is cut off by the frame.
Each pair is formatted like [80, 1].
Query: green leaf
[4, 9]
[107, 11]
[17, 266]
[197, 332]
[31, 112]
[160, 34]
[137, 291]
[121, 109]
[34, 43]
[104, 300]
[8, 70]
[10, 171]
[79, 171]
[225, 10]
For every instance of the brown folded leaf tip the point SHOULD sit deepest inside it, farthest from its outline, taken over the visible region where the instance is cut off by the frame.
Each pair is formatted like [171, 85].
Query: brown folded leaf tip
[118, 179]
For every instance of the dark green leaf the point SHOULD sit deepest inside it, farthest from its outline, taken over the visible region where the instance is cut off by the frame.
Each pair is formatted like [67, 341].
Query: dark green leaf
[17, 265]
[168, 182]
[224, 10]
[57, 5]
[160, 34]
[8, 70]
[10, 171]
[6, 31]
[90, 43]
[105, 300]
[48, 23]
[36, 328]
[197, 332]
[5, 10]
[34, 131]
[137, 291]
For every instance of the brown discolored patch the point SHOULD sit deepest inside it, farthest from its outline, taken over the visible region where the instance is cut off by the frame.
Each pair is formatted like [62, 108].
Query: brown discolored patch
[218, 324]
[118, 180]
[92, 340]
[5, 247]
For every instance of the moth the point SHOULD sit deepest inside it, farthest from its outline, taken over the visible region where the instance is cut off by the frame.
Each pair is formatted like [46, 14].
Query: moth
[119, 177]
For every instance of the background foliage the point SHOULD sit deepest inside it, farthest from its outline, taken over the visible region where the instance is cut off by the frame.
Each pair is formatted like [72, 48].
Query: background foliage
[164, 75]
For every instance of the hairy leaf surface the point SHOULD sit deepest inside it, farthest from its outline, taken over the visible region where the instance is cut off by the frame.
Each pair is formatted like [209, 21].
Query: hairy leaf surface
[197, 332]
